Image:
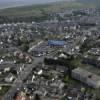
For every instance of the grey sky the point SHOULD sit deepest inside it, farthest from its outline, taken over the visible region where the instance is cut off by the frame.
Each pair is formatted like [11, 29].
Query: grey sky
[12, 3]
[36, 1]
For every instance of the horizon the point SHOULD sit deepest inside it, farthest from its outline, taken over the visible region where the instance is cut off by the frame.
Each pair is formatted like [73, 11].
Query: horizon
[15, 3]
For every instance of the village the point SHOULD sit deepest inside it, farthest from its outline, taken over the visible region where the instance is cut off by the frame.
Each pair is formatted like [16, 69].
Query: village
[57, 59]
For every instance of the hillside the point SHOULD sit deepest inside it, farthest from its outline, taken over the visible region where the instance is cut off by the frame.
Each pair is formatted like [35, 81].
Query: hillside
[17, 3]
[38, 10]
[93, 2]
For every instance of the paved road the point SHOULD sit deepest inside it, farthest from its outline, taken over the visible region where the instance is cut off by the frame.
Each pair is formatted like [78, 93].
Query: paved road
[33, 47]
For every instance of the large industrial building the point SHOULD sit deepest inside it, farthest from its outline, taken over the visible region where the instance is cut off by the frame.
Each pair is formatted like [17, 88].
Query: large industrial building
[57, 43]
[86, 77]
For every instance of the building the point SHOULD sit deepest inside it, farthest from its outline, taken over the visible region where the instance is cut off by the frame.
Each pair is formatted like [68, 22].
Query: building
[9, 78]
[86, 77]
[62, 55]
[7, 69]
[57, 43]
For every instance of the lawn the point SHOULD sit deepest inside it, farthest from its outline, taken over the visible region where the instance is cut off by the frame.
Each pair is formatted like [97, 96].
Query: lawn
[4, 90]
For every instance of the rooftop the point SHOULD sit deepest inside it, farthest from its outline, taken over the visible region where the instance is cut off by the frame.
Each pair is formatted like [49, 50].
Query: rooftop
[87, 74]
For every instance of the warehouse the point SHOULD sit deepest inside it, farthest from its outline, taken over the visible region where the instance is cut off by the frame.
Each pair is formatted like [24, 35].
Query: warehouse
[57, 43]
[86, 77]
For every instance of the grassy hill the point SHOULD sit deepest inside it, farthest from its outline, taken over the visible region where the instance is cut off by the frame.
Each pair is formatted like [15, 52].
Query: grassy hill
[38, 10]
[41, 12]
[93, 2]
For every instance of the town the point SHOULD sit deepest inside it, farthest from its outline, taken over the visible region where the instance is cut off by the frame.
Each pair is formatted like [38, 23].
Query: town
[55, 59]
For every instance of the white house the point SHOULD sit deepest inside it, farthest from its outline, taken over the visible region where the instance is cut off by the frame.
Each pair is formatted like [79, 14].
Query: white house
[9, 78]
[7, 69]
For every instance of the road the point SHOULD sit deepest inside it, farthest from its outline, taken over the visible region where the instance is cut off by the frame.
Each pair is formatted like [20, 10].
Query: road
[33, 47]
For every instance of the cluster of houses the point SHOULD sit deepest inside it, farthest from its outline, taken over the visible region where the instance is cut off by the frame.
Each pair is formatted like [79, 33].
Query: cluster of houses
[49, 81]
[23, 56]
[22, 96]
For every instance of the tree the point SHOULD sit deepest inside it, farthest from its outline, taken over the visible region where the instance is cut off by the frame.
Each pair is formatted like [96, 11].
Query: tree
[37, 97]
[25, 47]
[97, 94]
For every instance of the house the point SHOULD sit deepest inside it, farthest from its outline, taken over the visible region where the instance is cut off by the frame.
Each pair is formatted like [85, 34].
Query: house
[9, 78]
[1, 61]
[62, 55]
[7, 69]
[28, 59]
[22, 96]
[86, 77]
